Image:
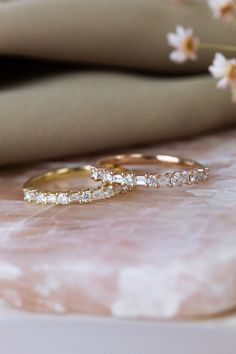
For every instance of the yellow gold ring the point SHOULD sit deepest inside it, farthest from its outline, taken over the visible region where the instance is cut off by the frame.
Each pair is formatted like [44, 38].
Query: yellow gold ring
[82, 195]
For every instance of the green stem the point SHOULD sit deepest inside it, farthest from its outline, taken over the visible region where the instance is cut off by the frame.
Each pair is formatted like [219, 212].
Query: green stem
[223, 47]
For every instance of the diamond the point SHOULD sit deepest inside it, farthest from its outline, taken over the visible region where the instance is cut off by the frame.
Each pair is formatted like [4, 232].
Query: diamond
[140, 181]
[100, 173]
[128, 180]
[198, 176]
[107, 177]
[41, 198]
[97, 173]
[94, 173]
[27, 195]
[205, 178]
[176, 179]
[62, 198]
[98, 194]
[126, 188]
[152, 181]
[51, 198]
[202, 176]
[185, 177]
[108, 192]
[33, 197]
[164, 180]
[74, 197]
[118, 188]
[194, 177]
[118, 179]
[86, 197]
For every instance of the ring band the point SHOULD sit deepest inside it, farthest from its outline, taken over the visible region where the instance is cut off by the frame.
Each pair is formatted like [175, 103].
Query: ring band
[82, 195]
[193, 172]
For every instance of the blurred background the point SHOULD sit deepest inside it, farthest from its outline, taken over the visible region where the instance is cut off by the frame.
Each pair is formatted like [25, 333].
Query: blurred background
[84, 76]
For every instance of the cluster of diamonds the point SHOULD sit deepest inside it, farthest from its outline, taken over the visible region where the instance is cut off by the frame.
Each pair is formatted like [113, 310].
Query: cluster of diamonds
[157, 180]
[81, 197]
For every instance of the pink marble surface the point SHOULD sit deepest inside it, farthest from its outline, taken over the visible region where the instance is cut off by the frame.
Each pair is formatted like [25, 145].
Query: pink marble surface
[149, 254]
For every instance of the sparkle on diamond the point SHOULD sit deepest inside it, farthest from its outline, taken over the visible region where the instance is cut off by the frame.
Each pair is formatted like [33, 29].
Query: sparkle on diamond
[164, 180]
[51, 198]
[86, 196]
[176, 179]
[41, 198]
[108, 177]
[129, 180]
[152, 181]
[62, 198]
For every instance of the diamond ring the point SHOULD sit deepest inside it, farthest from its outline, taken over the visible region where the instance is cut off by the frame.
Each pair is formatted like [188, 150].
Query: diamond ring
[83, 195]
[190, 172]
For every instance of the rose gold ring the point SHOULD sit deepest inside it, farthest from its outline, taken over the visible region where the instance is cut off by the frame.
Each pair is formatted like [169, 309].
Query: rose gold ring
[189, 171]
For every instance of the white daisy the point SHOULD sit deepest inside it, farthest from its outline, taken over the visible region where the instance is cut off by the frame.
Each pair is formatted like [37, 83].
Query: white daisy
[224, 70]
[185, 44]
[222, 9]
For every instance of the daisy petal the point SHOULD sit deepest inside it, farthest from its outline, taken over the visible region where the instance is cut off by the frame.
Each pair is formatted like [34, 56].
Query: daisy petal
[222, 84]
[173, 39]
[177, 56]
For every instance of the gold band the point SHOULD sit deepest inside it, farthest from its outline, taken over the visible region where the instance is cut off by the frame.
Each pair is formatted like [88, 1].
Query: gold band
[192, 173]
[82, 195]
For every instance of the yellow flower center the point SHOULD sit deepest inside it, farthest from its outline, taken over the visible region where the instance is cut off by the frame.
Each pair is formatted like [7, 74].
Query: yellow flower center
[231, 71]
[189, 45]
[226, 9]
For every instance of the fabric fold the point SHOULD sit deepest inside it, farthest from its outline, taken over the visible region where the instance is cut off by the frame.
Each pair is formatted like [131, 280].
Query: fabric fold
[124, 33]
[77, 111]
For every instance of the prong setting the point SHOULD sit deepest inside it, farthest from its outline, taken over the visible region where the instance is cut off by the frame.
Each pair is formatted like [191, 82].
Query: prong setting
[156, 180]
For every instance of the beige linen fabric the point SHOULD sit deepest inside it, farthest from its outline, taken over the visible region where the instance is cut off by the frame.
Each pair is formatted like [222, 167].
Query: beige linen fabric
[51, 112]
[127, 33]
[78, 112]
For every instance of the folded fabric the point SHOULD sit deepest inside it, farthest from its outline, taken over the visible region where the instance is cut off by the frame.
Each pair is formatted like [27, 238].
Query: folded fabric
[125, 33]
[70, 112]
[51, 111]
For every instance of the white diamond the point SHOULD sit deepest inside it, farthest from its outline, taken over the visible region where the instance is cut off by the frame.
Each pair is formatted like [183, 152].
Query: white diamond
[41, 198]
[126, 188]
[107, 177]
[27, 195]
[101, 173]
[202, 176]
[164, 180]
[94, 173]
[176, 179]
[118, 179]
[97, 194]
[108, 192]
[86, 196]
[129, 180]
[152, 181]
[74, 197]
[118, 188]
[140, 180]
[33, 197]
[51, 198]
[198, 176]
[62, 198]
[185, 177]
[193, 177]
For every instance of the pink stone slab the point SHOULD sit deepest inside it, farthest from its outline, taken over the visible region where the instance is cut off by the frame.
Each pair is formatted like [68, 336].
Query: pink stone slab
[149, 254]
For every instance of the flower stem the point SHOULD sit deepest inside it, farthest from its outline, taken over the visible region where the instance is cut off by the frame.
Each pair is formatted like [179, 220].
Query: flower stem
[229, 48]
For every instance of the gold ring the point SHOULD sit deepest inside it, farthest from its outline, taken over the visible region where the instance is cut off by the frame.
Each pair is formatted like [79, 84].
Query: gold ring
[192, 172]
[82, 195]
